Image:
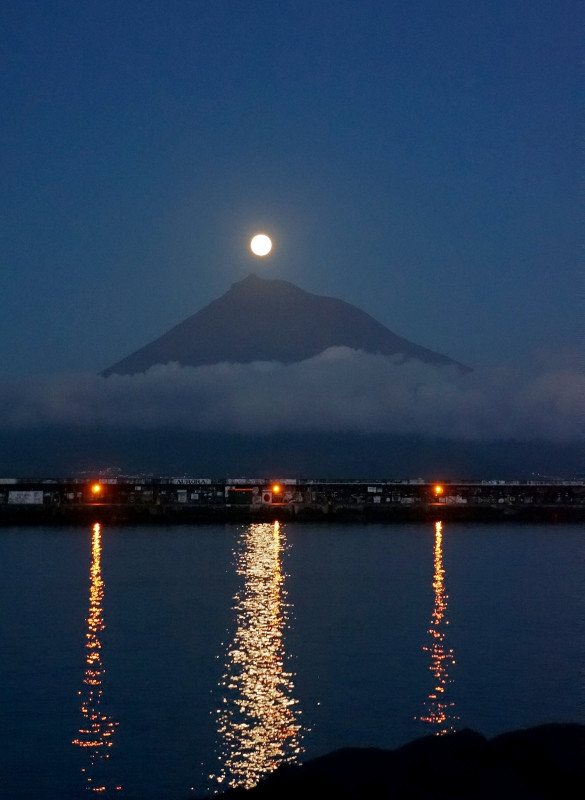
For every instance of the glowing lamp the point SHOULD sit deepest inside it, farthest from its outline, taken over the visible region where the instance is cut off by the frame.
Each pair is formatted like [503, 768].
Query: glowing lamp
[438, 490]
[276, 488]
[96, 488]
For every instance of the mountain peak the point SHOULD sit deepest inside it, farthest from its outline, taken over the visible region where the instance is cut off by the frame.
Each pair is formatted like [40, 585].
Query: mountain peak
[250, 281]
[255, 283]
[268, 319]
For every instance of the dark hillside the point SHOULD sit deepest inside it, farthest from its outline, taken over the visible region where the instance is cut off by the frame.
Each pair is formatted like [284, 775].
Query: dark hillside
[271, 320]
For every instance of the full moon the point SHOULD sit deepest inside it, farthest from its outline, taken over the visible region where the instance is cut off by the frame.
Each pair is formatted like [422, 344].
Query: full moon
[261, 244]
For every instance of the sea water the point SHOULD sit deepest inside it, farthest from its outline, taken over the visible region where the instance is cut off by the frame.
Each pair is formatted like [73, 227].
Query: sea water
[173, 662]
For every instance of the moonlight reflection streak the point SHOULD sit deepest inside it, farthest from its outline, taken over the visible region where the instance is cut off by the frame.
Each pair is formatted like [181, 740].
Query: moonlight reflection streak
[96, 733]
[438, 707]
[257, 721]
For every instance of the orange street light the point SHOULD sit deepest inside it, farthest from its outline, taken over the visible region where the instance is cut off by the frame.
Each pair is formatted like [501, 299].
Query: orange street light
[438, 490]
[96, 489]
[276, 488]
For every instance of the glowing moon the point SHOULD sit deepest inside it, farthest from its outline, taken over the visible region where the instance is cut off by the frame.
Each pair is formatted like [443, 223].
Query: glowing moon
[261, 244]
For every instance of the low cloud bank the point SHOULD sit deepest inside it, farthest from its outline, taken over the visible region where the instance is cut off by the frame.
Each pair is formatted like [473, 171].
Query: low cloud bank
[339, 390]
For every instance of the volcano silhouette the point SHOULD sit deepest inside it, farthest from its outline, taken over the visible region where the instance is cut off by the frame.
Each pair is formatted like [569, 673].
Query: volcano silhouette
[271, 320]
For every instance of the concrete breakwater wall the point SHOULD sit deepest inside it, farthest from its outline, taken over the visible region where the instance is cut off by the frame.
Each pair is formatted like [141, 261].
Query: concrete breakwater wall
[139, 499]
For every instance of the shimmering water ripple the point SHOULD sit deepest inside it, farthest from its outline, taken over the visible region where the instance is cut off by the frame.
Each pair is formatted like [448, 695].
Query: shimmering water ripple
[363, 598]
[439, 707]
[97, 730]
[258, 720]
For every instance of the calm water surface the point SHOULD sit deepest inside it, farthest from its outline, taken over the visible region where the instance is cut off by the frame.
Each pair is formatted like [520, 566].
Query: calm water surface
[172, 662]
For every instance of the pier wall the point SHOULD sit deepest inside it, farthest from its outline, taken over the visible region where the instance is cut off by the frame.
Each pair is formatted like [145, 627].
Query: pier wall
[142, 500]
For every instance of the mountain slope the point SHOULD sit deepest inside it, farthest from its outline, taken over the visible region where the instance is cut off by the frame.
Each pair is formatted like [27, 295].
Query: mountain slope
[271, 320]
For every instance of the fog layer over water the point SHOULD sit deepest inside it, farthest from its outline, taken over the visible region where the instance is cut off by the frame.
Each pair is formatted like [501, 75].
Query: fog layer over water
[168, 662]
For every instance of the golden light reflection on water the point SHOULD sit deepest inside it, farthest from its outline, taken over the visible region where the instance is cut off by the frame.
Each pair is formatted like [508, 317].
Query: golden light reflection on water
[96, 732]
[258, 720]
[438, 708]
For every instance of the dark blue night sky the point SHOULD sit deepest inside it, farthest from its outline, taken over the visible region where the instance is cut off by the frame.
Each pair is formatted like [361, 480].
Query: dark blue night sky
[420, 160]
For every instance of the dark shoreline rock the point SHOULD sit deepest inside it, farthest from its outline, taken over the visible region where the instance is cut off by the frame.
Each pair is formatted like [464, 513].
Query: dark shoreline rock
[547, 761]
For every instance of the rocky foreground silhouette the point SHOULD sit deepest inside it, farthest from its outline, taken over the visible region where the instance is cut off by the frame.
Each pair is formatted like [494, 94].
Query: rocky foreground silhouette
[547, 761]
